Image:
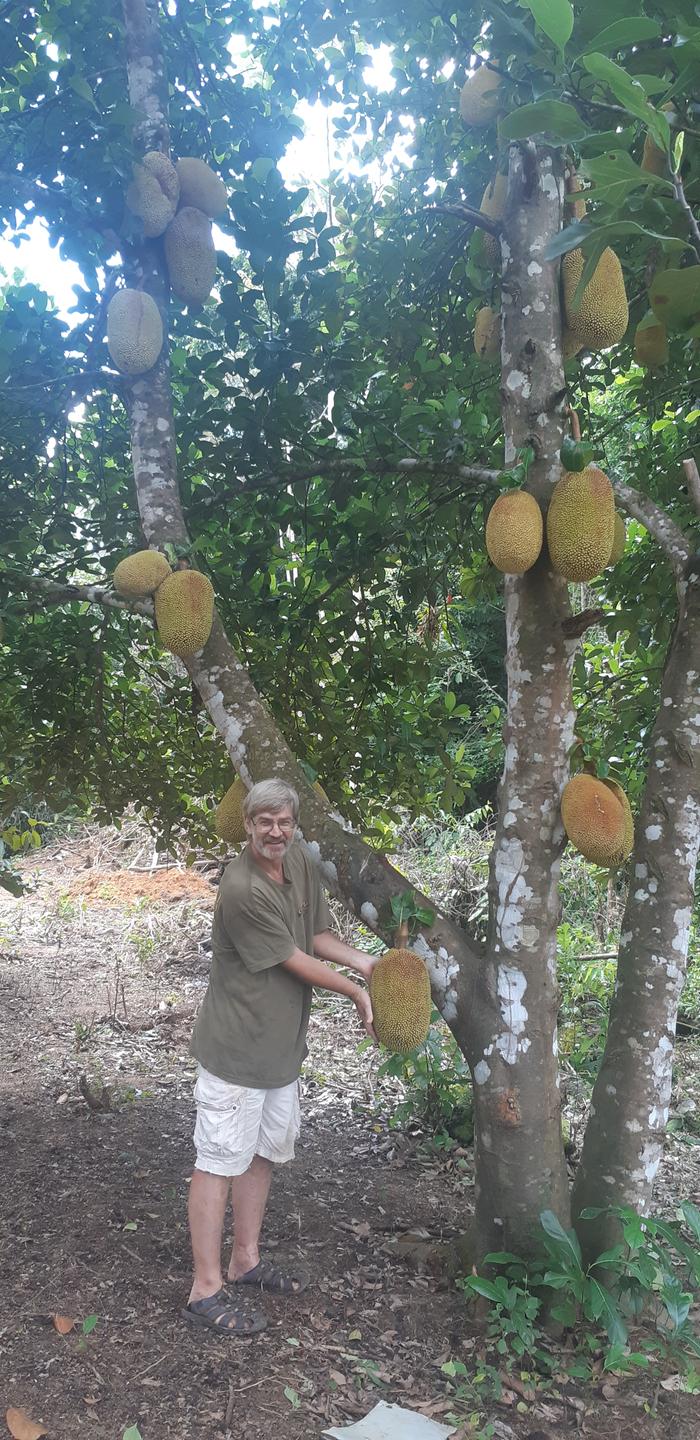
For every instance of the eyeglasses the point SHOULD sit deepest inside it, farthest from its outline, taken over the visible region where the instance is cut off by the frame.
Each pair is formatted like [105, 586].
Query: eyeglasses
[268, 822]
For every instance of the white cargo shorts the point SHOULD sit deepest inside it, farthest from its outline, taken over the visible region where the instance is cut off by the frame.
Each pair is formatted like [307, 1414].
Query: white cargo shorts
[234, 1123]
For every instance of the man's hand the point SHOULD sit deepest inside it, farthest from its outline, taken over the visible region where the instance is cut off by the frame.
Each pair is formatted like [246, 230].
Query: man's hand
[363, 1005]
[365, 964]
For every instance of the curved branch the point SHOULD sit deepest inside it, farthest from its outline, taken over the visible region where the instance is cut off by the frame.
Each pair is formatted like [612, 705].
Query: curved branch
[693, 226]
[339, 465]
[692, 475]
[660, 525]
[473, 217]
[56, 592]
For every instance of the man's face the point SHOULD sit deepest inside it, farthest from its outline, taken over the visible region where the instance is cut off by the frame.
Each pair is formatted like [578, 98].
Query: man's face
[271, 832]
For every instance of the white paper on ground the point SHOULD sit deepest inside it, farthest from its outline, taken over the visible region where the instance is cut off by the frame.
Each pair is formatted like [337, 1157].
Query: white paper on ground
[390, 1422]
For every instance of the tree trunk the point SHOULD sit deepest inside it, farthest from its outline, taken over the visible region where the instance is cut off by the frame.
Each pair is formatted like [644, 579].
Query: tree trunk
[623, 1145]
[521, 1166]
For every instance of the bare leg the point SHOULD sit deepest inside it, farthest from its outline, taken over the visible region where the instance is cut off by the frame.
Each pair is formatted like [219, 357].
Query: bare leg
[249, 1194]
[206, 1210]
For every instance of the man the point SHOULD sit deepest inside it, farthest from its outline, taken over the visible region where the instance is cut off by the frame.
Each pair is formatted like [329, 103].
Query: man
[270, 923]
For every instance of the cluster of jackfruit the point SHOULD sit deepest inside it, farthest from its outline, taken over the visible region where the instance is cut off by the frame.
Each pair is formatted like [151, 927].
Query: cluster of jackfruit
[597, 818]
[585, 533]
[399, 989]
[184, 599]
[179, 202]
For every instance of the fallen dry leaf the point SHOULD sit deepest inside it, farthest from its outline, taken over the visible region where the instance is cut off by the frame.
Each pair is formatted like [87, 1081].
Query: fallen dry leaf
[673, 1382]
[22, 1427]
[62, 1323]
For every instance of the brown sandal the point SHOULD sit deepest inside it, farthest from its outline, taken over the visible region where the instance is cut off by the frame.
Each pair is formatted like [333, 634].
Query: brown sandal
[267, 1276]
[217, 1313]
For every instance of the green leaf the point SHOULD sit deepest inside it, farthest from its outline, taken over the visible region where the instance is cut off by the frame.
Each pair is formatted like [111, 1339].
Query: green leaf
[261, 168]
[554, 118]
[601, 1307]
[81, 87]
[615, 175]
[487, 1288]
[691, 1215]
[674, 296]
[133, 1433]
[575, 455]
[555, 17]
[89, 1324]
[631, 95]
[624, 32]
[291, 1395]
[566, 1238]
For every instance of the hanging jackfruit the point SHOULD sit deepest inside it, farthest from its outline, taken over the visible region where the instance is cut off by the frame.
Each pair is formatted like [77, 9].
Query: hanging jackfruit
[628, 837]
[479, 100]
[154, 192]
[602, 316]
[185, 611]
[487, 333]
[190, 255]
[581, 523]
[229, 823]
[140, 574]
[201, 187]
[514, 532]
[619, 540]
[493, 205]
[651, 342]
[399, 989]
[134, 331]
[594, 820]
[570, 344]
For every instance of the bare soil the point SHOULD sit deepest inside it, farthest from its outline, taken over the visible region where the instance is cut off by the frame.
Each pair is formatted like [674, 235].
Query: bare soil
[102, 966]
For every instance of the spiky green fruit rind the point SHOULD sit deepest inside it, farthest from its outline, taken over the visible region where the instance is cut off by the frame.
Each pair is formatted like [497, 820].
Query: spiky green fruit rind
[602, 316]
[190, 255]
[479, 100]
[134, 331]
[487, 333]
[594, 820]
[141, 574]
[619, 539]
[514, 532]
[628, 837]
[154, 192]
[400, 993]
[581, 523]
[651, 342]
[184, 606]
[201, 187]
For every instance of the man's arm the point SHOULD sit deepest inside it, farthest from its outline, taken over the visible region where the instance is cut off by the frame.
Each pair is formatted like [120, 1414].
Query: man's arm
[313, 972]
[329, 947]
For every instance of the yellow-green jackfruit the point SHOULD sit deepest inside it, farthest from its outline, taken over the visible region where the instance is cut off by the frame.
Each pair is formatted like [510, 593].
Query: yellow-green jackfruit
[154, 192]
[651, 342]
[619, 540]
[141, 574]
[594, 820]
[479, 100]
[570, 344]
[134, 331]
[581, 523]
[628, 837]
[201, 187]
[399, 989]
[602, 316]
[185, 611]
[228, 816]
[487, 333]
[514, 532]
[493, 205]
[190, 255]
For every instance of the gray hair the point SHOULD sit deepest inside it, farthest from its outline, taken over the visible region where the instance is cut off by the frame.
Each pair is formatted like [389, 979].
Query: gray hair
[271, 795]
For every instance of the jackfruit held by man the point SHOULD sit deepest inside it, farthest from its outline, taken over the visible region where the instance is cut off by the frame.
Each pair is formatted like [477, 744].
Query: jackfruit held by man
[141, 574]
[190, 255]
[201, 187]
[595, 820]
[514, 532]
[154, 192]
[399, 989]
[184, 605]
[581, 523]
[134, 331]
[602, 316]
[479, 100]
[487, 333]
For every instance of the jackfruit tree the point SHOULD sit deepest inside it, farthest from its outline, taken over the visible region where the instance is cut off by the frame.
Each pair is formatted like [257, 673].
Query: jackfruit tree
[319, 431]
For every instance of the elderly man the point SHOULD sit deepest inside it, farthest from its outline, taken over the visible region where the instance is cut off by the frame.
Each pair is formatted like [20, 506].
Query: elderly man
[271, 922]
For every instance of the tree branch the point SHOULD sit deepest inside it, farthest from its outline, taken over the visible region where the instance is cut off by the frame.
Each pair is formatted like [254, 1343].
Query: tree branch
[692, 475]
[466, 212]
[660, 525]
[693, 226]
[337, 465]
[55, 592]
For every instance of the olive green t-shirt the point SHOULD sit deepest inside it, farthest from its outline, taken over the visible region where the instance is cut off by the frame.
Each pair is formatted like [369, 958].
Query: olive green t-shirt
[251, 1028]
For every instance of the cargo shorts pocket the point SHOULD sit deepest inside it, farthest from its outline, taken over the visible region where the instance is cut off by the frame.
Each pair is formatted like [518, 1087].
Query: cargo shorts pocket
[220, 1124]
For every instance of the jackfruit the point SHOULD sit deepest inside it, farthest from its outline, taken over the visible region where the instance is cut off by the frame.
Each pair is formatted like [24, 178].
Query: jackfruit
[514, 532]
[651, 342]
[628, 838]
[399, 989]
[228, 816]
[594, 820]
[185, 611]
[570, 344]
[619, 540]
[190, 255]
[141, 574]
[479, 100]
[201, 186]
[601, 318]
[581, 523]
[134, 331]
[154, 192]
[487, 333]
[493, 205]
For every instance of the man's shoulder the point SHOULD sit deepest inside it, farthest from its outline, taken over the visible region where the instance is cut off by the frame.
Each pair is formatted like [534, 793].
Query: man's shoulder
[238, 879]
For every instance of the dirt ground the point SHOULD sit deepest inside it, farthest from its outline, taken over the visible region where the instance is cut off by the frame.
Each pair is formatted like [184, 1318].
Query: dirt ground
[102, 966]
